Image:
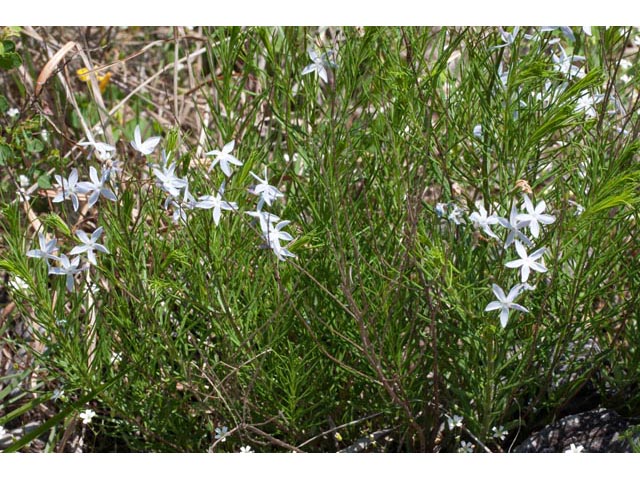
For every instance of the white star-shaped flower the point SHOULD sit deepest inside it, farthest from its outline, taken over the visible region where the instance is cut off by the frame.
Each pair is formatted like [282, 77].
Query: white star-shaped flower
[89, 245]
[527, 262]
[216, 203]
[319, 64]
[480, 219]
[148, 146]
[505, 302]
[224, 157]
[87, 416]
[535, 216]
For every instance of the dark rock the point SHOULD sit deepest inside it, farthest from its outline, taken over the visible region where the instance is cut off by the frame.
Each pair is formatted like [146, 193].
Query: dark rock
[597, 431]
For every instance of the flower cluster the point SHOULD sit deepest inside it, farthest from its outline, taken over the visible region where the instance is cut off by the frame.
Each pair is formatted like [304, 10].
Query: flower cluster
[70, 189]
[65, 266]
[531, 217]
[270, 225]
[181, 200]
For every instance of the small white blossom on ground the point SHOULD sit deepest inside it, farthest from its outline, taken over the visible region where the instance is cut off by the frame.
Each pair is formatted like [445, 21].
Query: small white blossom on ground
[57, 393]
[246, 449]
[575, 449]
[87, 416]
[466, 447]
[477, 131]
[23, 180]
[500, 432]
[13, 112]
[505, 303]
[24, 184]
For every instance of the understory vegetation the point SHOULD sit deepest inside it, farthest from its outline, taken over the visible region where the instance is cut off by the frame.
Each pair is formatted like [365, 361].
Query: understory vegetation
[315, 240]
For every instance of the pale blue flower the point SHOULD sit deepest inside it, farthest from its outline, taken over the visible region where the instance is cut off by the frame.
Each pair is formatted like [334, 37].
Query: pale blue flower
[564, 64]
[180, 208]
[456, 214]
[57, 393]
[535, 216]
[168, 181]
[97, 186]
[272, 233]
[89, 245]
[221, 433]
[47, 249]
[268, 193]
[527, 262]
[480, 219]
[69, 188]
[68, 268]
[224, 157]
[216, 203]
[441, 209]
[319, 64]
[505, 302]
[586, 103]
[568, 32]
[514, 225]
[507, 37]
[104, 151]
